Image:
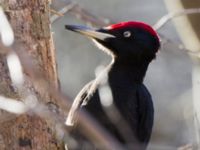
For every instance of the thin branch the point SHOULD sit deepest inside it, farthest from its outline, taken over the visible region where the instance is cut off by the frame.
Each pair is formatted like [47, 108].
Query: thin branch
[161, 22]
[61, 12]
[79, 12]
[166, 40]
[89, 18]
[166, 18]
[186, 147]
[56, 13]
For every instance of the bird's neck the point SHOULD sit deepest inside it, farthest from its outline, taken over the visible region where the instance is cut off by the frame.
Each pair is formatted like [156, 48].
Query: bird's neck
[127, 74]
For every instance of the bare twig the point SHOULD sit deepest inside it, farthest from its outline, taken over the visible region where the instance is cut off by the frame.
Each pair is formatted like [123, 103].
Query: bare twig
[161, 22]
[89, 18]
[166, 18]
[61, 12]
[81, 13]
[166, 40]
[186, 147]
[56, 13]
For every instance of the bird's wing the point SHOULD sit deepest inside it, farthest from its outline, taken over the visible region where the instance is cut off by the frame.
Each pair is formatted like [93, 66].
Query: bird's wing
[146, 114]
[81, 99]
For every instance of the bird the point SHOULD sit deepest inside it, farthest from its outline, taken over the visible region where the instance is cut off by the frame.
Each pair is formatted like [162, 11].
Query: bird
[132, 45]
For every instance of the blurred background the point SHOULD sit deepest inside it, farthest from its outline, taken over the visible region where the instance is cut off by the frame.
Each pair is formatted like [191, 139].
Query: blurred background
[169, 77]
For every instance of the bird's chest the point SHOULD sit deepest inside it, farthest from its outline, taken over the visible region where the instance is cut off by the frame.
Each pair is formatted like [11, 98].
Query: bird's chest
[124, 98]
[126, 101]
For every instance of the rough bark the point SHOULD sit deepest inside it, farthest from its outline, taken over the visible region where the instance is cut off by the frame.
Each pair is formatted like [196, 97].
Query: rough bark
[30, 22]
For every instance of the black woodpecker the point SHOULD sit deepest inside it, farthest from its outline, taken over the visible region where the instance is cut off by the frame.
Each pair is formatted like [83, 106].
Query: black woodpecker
[132, 46]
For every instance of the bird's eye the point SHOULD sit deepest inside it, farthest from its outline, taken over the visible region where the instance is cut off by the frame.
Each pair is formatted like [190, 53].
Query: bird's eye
[127, 34]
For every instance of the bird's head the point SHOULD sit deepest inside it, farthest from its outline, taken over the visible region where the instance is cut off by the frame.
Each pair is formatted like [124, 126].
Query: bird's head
[130, 41]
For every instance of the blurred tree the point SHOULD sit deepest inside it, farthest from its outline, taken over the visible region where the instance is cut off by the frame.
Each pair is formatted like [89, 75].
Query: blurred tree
[30, 22]
[188, 28]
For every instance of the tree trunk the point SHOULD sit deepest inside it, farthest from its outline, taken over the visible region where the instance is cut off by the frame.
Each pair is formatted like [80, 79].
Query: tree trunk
[188, 28]
[30, 22]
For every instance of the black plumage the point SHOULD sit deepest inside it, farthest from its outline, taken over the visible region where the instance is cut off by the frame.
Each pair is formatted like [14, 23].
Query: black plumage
[132, 45]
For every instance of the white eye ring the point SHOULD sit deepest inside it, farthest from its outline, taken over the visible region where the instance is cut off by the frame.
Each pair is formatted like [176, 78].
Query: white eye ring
[127, 34]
